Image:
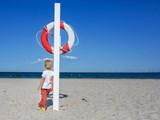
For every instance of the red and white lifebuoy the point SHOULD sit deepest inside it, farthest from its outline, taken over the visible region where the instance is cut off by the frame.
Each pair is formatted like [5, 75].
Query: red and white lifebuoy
[44, 37]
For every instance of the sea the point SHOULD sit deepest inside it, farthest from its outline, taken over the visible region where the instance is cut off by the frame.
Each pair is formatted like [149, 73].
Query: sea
[84, 75]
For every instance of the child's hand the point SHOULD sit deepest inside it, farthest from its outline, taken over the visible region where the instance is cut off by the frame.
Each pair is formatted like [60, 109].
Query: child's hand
[39, 88]
[51, 88]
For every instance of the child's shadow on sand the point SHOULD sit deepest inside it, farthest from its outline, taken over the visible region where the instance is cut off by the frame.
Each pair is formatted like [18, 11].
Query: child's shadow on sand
[50, 96]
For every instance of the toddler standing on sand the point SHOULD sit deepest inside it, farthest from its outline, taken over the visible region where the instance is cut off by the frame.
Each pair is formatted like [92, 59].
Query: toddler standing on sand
[46, 85]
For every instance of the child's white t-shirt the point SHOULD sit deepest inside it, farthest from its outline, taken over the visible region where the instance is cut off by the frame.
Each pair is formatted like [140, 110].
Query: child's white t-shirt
[47, 74]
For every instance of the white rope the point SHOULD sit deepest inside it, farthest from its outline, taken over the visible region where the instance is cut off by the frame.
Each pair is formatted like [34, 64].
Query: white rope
[76, 36]
[38, 39]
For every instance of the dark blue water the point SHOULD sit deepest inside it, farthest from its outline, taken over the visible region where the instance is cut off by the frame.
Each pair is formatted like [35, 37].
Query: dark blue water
[84, 75]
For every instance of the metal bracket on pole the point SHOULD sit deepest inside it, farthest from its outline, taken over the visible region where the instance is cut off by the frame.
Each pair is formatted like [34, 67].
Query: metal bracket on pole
[57, 44]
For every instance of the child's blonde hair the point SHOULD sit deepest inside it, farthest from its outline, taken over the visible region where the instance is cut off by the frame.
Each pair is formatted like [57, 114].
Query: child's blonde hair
[48, 64]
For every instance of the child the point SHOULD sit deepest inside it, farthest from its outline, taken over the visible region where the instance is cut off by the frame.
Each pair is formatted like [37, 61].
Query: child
[46, 85]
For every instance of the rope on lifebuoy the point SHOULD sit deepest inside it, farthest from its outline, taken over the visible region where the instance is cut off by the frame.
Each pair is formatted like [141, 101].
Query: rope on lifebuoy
[38, 39]
[76, 44]
[63, 49]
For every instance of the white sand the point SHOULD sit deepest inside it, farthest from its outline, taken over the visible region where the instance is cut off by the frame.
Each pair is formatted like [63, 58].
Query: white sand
[84, 99]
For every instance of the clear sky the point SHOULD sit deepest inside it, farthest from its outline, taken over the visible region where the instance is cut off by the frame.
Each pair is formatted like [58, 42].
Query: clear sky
[114, 35]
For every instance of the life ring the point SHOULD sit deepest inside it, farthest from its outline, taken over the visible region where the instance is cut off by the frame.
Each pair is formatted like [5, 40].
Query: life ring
[44, 37]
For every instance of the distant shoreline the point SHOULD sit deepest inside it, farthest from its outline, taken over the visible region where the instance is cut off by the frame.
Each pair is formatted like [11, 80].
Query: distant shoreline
[84, 75]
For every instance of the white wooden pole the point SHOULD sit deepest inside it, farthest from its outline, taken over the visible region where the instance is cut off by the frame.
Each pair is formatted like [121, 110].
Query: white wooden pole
[56, 55]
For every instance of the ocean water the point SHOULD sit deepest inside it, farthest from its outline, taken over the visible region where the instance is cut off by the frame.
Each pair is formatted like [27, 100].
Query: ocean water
[82, 75]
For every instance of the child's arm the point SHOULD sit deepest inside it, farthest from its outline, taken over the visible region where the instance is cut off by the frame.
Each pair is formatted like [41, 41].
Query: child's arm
[41, 83]
[52, 82]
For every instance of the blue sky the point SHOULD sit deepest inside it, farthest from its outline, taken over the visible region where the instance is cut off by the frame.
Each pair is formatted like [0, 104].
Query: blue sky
[115, 35]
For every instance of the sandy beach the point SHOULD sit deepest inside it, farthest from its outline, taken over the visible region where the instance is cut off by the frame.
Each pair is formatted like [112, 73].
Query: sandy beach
[82, 99]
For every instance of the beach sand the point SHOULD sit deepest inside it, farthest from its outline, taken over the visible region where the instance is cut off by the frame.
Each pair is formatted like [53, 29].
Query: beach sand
[82, 99]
